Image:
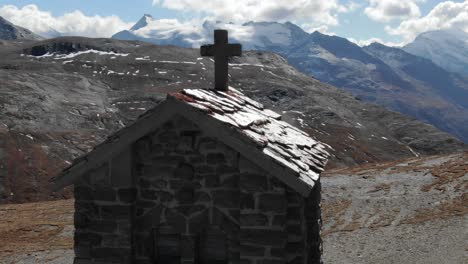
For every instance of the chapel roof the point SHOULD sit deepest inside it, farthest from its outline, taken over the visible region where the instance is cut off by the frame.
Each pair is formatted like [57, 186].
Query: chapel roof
[282, 142]
[236, 120]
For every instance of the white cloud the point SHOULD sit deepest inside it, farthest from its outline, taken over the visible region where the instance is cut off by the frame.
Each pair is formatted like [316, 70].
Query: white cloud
[74, 23]
[387, 10]
[446, 15]
[309, 11]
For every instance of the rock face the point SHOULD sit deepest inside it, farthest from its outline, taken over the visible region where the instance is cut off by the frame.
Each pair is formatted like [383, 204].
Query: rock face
[177, 195]
[8, 31]
[60, 104]
[386, 76]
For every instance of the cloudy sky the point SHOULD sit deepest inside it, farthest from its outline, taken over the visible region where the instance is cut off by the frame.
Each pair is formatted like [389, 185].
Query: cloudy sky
[391, 22]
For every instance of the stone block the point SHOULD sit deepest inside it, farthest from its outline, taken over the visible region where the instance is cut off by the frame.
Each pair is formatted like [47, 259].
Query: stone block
[185, 195]
[231, 182]
[111, 254]
[294, 212]
[149, 220]
[165, 196]
[247, 201]
[264, 237]
[87, 239]
[176, 220]
[293, 248]
[190, 209]
[212, 180]
[247, 166]
[278, 252]
[102, 193]
[253, 220]
[115, 211]
[100, 176]
[207, 144]
[272, 261]
[199, 222]
[90, 209]
[205, 169]
[127, 195]
[253, 182]
[83, 252]
[202, 197]
[83, 193]
[294, 229]
[184, 171]
[215, 158]
[169, 137]
[226, 198]
[279, 220]
[149, 194]
[251, 251]
[196, 159]
[81, 220]
[226, 169]
[121, 169]
[187, 246]
[79, 260]
[168, 160]
[272, 203]
[102, 226]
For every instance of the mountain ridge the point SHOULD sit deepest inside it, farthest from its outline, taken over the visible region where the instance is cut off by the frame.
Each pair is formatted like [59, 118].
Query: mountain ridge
[9, 31]
[61, 97]
[344, 64]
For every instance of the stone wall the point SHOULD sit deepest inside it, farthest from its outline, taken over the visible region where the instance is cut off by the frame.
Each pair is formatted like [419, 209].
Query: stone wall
[191, 199]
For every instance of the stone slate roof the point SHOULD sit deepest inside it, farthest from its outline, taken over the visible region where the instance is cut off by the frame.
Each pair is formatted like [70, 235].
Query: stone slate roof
[243, 124]
[277, 139]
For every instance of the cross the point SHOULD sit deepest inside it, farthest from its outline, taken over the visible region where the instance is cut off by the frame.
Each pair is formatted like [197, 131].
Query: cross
[221, 50]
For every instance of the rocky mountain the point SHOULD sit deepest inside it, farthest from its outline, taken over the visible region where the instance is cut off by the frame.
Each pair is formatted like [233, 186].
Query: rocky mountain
[407, 211]
[446, 48]
[61, 97]
[435, 95]
[420, 89]
[9, 31]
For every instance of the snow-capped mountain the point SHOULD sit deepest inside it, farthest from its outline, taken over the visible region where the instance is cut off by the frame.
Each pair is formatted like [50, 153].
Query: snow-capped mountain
[387, 76]
[9, 31]
[446, 48]
[253, 35]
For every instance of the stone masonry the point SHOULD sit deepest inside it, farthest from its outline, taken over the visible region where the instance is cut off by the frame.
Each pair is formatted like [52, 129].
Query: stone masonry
[179, 196]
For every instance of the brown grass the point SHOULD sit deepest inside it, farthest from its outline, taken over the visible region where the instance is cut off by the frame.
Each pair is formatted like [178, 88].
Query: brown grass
[448, 173]
[334, 210]
[447, 209]
[33, 227]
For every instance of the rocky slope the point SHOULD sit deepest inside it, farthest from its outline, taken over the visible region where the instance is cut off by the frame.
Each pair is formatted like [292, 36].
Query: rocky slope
[409, 211]
[418, 89]
[61, 97]
[9, 31]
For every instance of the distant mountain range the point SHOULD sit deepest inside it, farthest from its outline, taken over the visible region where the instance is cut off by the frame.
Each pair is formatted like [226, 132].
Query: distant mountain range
[393, 77]
[420, 79]
[9, 31]
[446, 48]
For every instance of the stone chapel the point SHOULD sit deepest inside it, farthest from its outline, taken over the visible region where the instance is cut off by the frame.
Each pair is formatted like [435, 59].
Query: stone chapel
[208, 176]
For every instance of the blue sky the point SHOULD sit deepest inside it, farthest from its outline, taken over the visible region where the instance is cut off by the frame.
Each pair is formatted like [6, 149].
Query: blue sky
[389, 21]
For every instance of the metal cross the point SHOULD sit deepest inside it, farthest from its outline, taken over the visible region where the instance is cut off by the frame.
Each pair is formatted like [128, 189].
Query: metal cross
[221, 51]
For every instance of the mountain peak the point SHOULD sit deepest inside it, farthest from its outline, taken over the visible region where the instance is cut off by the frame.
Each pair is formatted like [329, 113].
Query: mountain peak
[447, 48]
[9, 31]
[143, 22]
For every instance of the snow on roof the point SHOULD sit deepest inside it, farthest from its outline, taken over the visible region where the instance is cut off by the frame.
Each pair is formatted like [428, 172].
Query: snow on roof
[281, 149]
[285, 144]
